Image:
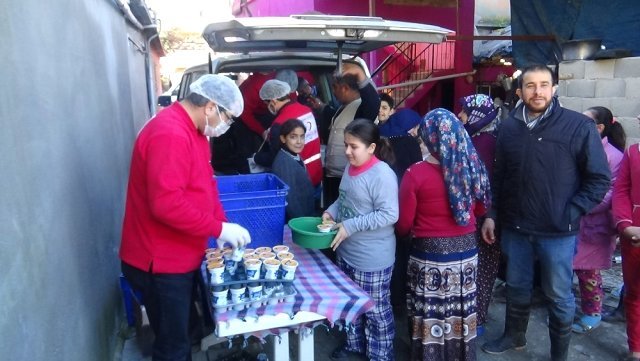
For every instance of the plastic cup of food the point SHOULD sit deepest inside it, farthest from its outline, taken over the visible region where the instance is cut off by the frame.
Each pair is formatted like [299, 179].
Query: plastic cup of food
[262, 249]
[213, 259]
[282, 256]
[280, 248]
[324, 228]
[238, 296]
[227, 252]
[220, 296]
[237, 254]
[271, 266]
[250, 256]
[267, 255]
[289, 269]
[249, 251]
[255, 294]
[213, 251]
[252, 268]
[230, 264]
[216, 269]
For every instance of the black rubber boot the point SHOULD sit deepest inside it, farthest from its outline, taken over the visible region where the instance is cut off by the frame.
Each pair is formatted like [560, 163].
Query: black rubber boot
[560, 336]
[515, 329]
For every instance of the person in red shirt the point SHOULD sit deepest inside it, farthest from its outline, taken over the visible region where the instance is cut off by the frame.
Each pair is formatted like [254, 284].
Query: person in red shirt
[172, 208]
[276, 94]
[255, 115]
[440, 199]
[626, 215]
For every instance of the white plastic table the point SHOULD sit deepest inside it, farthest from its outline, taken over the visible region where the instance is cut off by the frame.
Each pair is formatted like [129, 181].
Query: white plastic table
[324, 292]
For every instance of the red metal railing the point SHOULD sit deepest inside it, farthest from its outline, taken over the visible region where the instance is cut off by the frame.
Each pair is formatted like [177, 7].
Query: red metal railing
[409, 62]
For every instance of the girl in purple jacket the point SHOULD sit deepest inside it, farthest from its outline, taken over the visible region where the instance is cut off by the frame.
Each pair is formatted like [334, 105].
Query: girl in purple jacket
[597, 237]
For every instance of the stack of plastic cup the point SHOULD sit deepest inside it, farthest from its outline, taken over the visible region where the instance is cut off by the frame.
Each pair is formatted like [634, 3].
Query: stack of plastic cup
[231, 260]
[220, 295]
[216, 269]
[255, 294]
[289, 269]
[238, 296]
[252, 269]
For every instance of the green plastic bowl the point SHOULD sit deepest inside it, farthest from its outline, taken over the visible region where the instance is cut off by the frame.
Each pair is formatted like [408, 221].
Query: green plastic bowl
[304, 232]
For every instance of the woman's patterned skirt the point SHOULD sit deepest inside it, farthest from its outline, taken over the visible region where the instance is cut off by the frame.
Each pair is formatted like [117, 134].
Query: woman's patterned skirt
[442, 297]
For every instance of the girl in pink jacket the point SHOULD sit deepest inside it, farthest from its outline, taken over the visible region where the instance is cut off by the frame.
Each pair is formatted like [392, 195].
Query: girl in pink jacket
[597, 237]
[626, 214]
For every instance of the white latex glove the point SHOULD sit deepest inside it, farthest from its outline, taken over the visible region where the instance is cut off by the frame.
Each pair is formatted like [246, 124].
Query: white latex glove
[233, 234]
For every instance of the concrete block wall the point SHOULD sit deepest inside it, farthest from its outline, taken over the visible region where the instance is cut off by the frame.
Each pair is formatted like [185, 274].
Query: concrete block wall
[612, 83]
[72, 97]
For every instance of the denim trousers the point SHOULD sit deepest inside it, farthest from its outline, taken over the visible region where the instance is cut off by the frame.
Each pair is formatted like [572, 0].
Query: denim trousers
[167, 297]
[555, 255]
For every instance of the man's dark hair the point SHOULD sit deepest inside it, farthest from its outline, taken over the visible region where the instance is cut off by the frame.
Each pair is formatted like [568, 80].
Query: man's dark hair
[350, 80]
[197, 99]
[536, 67]
[301, 83]
[385, 97]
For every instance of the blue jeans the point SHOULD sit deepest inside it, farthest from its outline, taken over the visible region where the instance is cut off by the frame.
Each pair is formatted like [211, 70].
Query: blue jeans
[555, 255]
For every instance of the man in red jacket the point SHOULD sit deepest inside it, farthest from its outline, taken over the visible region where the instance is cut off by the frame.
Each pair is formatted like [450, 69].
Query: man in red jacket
[276, 94]
[173, 207]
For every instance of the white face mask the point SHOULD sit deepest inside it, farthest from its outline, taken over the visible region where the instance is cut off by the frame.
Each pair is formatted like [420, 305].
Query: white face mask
[219, 129]
[272, 109]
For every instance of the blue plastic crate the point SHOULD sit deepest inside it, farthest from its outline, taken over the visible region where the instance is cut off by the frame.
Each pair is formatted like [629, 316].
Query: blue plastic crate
[251, 186]
[257, 202]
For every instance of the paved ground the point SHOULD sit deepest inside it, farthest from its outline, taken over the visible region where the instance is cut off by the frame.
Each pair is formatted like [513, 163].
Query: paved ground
[607, 342]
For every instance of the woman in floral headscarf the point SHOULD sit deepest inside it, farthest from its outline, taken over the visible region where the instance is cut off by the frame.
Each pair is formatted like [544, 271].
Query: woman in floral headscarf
[439, 201]
[480, 119]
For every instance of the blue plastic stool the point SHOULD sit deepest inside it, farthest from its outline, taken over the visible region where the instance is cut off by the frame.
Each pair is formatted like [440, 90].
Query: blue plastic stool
[128, 296]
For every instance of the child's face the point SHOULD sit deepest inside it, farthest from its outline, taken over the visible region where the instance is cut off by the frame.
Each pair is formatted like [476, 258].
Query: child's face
[294, 141]
[357, 152]
[385, 112]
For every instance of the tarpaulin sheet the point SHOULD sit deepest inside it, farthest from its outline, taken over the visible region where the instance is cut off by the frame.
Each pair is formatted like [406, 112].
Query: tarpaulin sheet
[616, 22]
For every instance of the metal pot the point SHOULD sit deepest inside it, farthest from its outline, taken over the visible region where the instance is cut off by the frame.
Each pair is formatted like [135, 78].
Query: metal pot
[583, 49]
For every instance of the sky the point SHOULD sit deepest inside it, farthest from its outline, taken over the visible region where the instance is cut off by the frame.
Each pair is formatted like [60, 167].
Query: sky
[189, 15]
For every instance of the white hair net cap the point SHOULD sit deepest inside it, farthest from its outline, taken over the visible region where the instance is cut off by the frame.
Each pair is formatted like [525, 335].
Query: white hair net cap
[288, 76]
[220, 90]
[274, 89]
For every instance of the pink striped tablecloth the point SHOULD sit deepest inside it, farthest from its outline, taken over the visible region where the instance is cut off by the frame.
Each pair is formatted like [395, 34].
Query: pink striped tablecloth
[322, 288]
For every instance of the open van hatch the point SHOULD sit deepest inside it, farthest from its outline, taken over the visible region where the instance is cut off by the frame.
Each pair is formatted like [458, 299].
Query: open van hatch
[316, 33]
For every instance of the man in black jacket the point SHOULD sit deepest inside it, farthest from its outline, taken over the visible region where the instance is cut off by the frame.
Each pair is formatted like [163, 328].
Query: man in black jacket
[550, 169]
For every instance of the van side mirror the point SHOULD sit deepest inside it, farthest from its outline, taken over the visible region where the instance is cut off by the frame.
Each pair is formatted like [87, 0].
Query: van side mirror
[164, 100]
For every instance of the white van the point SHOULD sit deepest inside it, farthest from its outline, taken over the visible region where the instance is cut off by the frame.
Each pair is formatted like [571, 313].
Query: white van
[315, 44]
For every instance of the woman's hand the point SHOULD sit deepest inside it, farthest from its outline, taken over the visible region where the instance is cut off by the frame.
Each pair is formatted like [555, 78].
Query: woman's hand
[633, 234]
[326, 217]
[488, 231]
[340, 236]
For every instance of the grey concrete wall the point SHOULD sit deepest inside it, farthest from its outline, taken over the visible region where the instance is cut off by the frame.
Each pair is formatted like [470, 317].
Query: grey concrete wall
[72, 97]
[612, 83]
